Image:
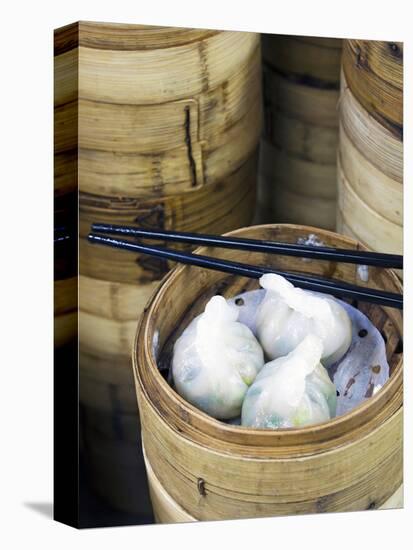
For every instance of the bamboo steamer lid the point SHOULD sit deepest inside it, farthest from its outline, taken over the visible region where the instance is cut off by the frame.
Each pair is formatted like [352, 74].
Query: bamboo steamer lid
[374, 72]
[314, 58]
[217, 471]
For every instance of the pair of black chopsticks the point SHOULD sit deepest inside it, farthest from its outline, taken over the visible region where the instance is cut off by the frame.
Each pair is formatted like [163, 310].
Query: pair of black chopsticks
[308, 282]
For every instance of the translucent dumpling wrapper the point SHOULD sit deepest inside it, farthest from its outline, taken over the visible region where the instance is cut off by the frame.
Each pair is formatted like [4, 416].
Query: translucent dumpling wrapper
[288, 314]
[291, 391]
[215, 360]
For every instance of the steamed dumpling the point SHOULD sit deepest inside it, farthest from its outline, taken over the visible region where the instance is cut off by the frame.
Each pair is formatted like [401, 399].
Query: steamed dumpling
[215, 360]
[291, 391]
[287, 314]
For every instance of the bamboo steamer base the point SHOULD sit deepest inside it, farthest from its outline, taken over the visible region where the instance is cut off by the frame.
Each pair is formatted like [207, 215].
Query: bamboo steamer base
[116, 473]
[167, 510]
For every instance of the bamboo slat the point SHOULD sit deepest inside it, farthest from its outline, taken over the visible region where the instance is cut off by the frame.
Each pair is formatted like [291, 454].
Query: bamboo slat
[380, 146]
[312, 105]
[309, 142]
[383, 194]
[298, 150]
[167, 510]
[164, 74]
[215, 208]
[217, 471]
[297, 175]
[370, 227]
[311, 58]
[112, 300]
[374, 72]
[288, 207]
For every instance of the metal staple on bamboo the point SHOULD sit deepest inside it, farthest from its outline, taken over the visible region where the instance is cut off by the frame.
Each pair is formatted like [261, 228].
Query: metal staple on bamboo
[298, 148]
[370, 159]
[168, 128]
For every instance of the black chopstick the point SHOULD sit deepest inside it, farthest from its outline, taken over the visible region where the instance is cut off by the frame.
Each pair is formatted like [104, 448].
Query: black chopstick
[360, 257]
[307, 282]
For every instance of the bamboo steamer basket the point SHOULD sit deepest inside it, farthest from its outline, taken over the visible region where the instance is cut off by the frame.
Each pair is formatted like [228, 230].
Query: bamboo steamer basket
[373, 229]
[369, 176]
[214, 470]
[166, 510]
[380, 146]
[298, 148]
[214, 208]
[374, 72]
[315, 58]
[169, 124]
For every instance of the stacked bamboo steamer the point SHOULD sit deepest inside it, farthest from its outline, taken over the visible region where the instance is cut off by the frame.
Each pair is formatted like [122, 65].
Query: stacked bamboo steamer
[370, 160]
[298, 149]
[169, 124]
[204, 469]
[65, 185]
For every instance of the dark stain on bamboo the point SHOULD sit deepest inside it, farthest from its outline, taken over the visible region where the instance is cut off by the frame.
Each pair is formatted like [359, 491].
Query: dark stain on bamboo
[188, 142]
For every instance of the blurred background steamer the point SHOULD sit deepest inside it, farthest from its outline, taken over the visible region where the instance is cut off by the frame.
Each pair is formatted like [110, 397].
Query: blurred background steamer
[370, 158]
[297, 171]
[169, 124]
[65, 194]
